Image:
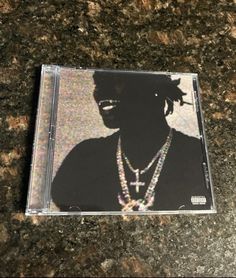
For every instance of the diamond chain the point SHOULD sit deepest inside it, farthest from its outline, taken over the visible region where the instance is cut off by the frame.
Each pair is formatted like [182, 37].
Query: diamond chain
[149, 164]
[148, 199]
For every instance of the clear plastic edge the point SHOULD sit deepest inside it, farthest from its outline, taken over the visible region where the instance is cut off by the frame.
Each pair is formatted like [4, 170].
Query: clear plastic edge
[51, 140]
[122, 70]
[30, 188]
[84, 213]
[29, 210]
[204, 141]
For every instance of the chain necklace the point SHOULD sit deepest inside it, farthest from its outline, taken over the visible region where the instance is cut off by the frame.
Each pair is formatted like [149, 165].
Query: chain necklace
[146, 168]
[138, 172]
[125, 200]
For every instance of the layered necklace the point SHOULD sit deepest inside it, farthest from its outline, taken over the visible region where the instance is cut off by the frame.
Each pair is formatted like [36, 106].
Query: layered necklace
[125, 200]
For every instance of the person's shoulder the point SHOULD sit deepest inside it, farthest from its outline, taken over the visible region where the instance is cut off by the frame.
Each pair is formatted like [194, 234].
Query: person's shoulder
[185, 139]
[187, 146]
[94, 144]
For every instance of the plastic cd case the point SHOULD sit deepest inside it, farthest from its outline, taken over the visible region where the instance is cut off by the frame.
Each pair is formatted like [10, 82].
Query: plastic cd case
[119, 142]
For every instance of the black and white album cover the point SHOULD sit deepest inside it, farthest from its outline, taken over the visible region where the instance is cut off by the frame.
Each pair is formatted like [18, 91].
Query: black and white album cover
[127, 142]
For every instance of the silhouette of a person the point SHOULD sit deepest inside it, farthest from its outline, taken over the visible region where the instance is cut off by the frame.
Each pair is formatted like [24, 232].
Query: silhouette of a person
[145, 165]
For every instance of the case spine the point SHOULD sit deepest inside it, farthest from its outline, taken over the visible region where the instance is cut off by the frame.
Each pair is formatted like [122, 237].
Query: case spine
[29, 210]
[51, 141]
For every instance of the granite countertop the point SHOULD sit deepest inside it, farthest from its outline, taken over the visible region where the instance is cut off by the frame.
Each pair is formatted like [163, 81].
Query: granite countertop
[181, 35]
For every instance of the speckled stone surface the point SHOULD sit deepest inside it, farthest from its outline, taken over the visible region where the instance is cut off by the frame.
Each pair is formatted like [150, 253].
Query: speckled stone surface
[181, 35]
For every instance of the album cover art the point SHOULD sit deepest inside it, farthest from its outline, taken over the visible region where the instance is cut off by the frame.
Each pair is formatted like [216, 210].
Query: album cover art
[121, 142]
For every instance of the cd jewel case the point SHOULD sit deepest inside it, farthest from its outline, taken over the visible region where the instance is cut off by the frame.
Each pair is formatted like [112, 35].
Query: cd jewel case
[119, 142]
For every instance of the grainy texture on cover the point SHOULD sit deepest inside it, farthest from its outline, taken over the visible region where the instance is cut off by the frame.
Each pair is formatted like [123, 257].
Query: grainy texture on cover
[181, 35]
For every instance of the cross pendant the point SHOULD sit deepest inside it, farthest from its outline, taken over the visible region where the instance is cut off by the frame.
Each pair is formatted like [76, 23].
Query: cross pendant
[137, 183]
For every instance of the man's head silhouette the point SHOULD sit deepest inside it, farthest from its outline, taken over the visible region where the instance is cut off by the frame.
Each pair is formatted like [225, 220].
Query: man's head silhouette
[129, 98]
